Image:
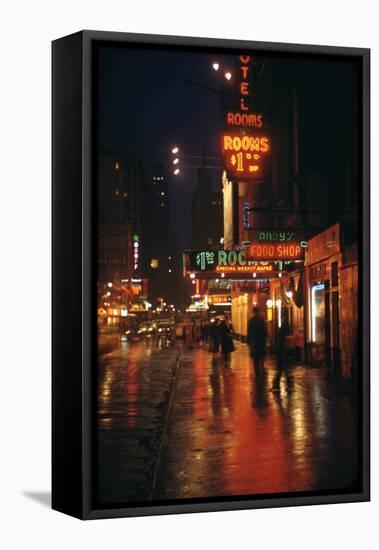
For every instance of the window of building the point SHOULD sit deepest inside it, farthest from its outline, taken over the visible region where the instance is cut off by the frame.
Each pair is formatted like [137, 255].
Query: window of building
[334, 273]
[318, 313]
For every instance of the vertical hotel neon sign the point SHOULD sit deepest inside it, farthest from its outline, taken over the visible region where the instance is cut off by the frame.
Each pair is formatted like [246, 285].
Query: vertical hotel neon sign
[244, 86]
[244, 117]
[244, 152]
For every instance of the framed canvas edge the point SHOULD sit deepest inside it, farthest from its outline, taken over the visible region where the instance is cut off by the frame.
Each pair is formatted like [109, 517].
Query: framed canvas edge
[89, 512]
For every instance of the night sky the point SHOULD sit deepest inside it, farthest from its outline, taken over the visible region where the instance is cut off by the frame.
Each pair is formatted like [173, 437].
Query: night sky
[153, 99]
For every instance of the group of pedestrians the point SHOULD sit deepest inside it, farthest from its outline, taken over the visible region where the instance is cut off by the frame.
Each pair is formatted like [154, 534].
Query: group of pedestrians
[256, 339]
[217, 336]
[220, 338]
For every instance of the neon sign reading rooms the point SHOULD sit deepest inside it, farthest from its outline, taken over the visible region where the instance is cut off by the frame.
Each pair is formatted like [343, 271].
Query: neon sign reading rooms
[243, 154]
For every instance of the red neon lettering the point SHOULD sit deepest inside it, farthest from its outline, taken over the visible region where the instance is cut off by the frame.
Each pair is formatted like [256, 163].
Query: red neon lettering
[244, 87]
[243, 106]
[230, 118]
[244, 71]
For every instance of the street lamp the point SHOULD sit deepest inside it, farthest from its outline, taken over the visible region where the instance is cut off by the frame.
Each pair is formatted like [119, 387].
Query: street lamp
[176, 160]
[216, 66]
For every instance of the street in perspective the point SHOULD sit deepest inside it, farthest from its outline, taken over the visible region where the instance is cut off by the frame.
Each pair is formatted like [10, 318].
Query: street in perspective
[227, 276]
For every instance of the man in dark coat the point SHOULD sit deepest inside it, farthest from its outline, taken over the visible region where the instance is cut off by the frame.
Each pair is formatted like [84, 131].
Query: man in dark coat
[256, 339]
[281, 353]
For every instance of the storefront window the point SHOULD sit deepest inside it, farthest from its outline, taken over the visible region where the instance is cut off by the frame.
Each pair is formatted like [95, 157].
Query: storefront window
[318, 314]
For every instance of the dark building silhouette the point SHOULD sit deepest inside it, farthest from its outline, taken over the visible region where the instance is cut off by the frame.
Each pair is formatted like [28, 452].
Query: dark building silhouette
[206, 213]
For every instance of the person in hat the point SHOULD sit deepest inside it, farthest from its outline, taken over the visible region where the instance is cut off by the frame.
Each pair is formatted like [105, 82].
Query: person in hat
[256, 339]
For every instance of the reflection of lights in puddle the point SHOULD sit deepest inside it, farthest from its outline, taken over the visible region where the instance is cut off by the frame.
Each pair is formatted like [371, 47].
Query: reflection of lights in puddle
[105, 420]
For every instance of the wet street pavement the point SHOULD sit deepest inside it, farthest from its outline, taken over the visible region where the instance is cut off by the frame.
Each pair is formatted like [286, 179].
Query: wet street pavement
[134, 388]
[192, 428]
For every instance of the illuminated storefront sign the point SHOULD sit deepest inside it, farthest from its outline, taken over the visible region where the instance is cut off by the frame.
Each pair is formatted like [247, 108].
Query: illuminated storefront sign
[277, 236]
[227, 263]
[219, 300]
[244, 154]
[276, 251]
[255, 267]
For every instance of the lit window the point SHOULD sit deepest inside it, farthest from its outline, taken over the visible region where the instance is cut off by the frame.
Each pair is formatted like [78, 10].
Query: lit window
[117, 166]
[117, 192]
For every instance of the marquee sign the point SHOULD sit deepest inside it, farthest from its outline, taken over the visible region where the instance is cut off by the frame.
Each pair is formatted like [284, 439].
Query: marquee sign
[228, 263]
[244, 154]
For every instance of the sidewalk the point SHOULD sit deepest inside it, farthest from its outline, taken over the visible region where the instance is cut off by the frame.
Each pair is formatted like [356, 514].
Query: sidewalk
[174, 428]
[133, 395]
[229, 435]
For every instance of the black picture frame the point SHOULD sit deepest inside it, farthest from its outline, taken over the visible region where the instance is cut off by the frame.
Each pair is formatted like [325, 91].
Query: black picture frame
[73, 268]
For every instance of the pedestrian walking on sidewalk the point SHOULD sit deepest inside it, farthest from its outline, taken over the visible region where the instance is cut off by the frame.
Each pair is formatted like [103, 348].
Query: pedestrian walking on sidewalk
[226, 340]
[214, 338]
[282, 359]
[256, 339]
